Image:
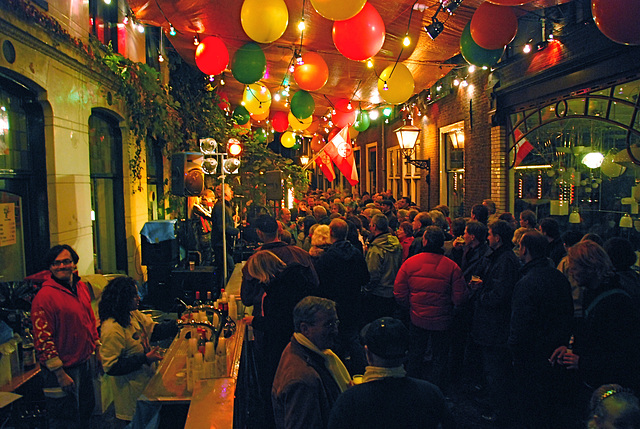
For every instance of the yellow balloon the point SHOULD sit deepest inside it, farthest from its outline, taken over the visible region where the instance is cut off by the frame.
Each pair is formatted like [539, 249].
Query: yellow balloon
[338, 10]
[257, 98]
[400, 84]
[288, 139]
[353, 133]
[299, 124]
[264, 20]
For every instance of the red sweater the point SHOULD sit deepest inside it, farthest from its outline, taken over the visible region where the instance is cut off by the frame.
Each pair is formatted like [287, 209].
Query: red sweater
[64, 326]
[430, 285]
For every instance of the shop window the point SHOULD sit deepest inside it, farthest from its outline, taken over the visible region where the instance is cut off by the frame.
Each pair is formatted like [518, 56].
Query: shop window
[452, 163]
[155, 182]
[107, 199]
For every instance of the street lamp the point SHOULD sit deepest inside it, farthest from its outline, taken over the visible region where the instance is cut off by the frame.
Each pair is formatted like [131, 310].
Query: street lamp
[407, 138]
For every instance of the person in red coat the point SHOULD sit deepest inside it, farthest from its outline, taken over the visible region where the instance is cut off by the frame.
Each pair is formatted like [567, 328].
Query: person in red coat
[430, 285]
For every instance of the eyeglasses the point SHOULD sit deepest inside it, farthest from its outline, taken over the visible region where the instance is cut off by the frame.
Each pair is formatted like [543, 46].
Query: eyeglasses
[58, 263]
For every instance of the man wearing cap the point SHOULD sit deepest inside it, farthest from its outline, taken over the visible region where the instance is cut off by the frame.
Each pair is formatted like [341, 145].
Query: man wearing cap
[387, 398]
[310, 377]
[387, 209]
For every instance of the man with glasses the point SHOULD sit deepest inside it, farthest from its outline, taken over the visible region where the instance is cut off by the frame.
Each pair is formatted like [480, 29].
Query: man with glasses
[65, 334]
[310, 376]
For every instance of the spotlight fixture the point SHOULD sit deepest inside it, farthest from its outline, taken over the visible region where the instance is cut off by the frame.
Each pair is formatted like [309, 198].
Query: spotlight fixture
[172, 30]
[451, 5]
[434, 29]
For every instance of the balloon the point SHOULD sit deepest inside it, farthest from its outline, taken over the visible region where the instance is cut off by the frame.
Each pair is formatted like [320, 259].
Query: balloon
[399, 82]
[343, 115]
[249, 63]
[212, 56]
[299, 124]
[317, 143]
[338, 10]
[302, 104]
[313, 74]
[493, 27]
[243, 129]
[618, 20]
[476, 55]
[353, 133]
[313, 127]
[261, 116]
[257, 98]
[288, 139]
[360, 37]
[362, 121]
[280, 122]
[260, 135]
[332, 133]
[241, 115]
[223, 104]
[264, 20]
[510, 2]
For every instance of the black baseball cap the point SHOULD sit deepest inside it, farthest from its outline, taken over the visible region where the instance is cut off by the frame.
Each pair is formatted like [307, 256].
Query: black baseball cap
[266, 224]
[386, 337]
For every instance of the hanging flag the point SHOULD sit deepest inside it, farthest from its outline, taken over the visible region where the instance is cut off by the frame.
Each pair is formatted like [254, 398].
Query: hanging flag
[341, 153]
[325, 164]
[523, 147]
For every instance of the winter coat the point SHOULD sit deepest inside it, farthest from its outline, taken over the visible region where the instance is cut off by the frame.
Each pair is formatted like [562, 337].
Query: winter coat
[384, 256]
[430, 285]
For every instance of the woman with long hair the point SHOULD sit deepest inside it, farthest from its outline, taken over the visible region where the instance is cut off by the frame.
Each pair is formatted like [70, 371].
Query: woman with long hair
[126, 354]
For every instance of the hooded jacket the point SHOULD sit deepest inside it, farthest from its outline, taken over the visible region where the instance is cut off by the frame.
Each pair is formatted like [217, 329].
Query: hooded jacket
[384, 257]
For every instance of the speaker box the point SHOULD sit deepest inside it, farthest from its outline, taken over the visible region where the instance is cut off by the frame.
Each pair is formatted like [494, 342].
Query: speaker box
[273, 180]
[187, 177]
[165, 253]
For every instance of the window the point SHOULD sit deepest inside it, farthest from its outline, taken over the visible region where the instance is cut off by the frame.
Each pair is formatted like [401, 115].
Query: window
[104, 20]
[452, 167]
[394, 171]
[372, 168]
[107, 199]
[155, 200]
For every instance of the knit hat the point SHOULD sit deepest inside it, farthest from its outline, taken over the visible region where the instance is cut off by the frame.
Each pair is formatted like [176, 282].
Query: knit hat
[386, 337]
[266, 224]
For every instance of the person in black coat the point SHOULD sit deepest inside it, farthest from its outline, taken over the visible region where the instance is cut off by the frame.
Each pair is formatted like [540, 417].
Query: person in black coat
[541, 321]
[342, 271]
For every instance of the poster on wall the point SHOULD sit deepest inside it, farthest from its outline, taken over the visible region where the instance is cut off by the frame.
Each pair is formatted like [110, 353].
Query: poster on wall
[7, 224]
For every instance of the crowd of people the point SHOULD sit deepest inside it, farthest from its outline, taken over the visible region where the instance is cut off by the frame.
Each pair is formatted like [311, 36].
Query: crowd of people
[371, 312]
[532, 319]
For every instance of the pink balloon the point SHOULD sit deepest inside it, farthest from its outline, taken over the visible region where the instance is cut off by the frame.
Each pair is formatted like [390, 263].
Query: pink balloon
[618, 20]
[343, 116]
[492, 26]
[280, 122]
[360, 37]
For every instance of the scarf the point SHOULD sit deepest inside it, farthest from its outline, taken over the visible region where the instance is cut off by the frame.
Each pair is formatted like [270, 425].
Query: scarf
[372, 373]
[331, 361]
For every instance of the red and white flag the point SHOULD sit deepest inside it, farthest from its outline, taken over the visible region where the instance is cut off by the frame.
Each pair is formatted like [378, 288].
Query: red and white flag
[341, 153]
[523, 147]
[325, 164]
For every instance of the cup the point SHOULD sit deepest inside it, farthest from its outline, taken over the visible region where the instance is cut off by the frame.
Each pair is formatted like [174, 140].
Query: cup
[357, 379]
[192, 265]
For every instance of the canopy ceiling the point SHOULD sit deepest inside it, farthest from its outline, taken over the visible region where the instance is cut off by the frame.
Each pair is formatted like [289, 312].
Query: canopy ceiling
[425, 58]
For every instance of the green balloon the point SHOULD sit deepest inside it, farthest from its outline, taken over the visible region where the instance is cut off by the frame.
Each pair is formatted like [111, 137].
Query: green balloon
[302, 105]
[362, 122]
[261, 135]
[241, 115]
[249, 64]
[475, 54]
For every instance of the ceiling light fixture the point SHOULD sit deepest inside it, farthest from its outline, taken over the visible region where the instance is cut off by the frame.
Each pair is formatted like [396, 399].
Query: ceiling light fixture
[451, 5]
[434, 29]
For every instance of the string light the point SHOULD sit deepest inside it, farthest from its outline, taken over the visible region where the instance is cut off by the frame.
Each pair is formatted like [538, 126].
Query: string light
[370, 63]
[527, 48]
[196, 40]
[456, 82]
[407, 40]
[212, 78]
[222, 82]
[160, 58]
[472, 68]
[140, 28]
[125, 20]
[301, 25]
[385, 87]
[172, 30]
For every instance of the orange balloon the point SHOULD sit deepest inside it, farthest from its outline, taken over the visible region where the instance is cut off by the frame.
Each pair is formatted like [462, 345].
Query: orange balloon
[317, 143]
[313, 73]
[311, 130]
[243, 129]
[260, 117]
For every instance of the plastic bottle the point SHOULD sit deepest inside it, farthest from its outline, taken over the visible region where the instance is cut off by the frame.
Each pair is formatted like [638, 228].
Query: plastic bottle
[28, 351]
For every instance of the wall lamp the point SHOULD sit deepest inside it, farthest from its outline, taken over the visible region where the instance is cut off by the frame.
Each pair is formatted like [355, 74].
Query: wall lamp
[407, 138]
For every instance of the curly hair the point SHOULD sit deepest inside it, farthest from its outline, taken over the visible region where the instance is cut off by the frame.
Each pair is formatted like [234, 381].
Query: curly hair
[116, 300]
[589, 263]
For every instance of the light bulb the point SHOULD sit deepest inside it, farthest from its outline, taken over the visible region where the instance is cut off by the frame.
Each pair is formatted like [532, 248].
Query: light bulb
[526, 49]
[406, 41]
[301, 25]
[196, 41]
[456, 82]
[140, 28]
[472, 68]
[369, 63]
[172, 30]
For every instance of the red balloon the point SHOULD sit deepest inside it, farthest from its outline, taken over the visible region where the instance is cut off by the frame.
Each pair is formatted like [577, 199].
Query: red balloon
[510, 2]
[343, 116]
[280, 122]
[313, 73]
[317, 143]
[212, 56]
[618, 20]
[492, 26]
[360, 37]
[332, 133]
[224, 103]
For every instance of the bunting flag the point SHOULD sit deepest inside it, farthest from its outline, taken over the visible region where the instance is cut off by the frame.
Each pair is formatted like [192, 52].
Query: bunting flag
[325, 164]
[341, 153]
[523, 147]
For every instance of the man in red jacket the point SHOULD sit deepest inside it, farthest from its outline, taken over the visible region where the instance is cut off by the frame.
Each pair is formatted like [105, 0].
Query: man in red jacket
[430, 285]
[65, 335]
